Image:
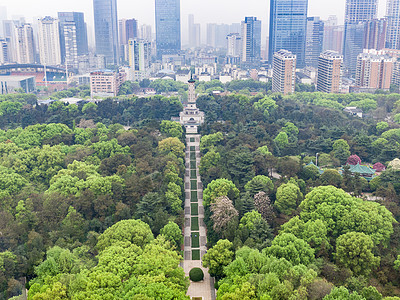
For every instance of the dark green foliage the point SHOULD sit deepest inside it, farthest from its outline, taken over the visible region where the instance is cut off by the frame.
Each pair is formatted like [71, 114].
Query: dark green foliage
[196, 274]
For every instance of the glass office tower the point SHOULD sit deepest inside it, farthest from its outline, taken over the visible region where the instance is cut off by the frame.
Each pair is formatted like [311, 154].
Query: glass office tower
[168, 27]
[251, 37]
[106, 29]
[287, 30]
[393, 29]
[81, 32]
[357, 13]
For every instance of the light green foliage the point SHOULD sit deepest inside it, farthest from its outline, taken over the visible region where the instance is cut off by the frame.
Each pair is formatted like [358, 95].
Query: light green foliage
[258, 184]
[342, 213]
[293, 249]
[269, 277]
[282, 140]
[371, 293]
[331, 177]
[10, 108]
[341, 293]
[173, 196]
[125, 233]
[219, 188]
[172, 145]
[365, 104]
[208, 161]
[313, 232]
[266, 105]
[107, 149]
[7, 258]
[341, 150]
[288, 196]
[10, 182]
[207, 142]
[171, 129]
[397, 263]
[249, 219]
[80, 176]
[89, 108]
[292, 131]
[392, 134]
[381, 127]
[264, 150]
[173, 233]
[218, 257]
[354, 251]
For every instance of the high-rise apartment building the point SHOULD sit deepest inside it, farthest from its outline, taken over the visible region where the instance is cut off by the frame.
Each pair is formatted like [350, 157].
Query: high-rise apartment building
[284, 72]
[251, 40]
[4, 51]
[139, 58]
[375, 34]
[234, 44]
[393, 27]
[49, 41]
[374, 69]
[78, 19]
[357, 12]
[168, 27]
[70, 45]
[3, 16]
[146, 33]
[128, 29]
[194, 32]
[216, 33]
[314, 40]
[287, 29]
[329, 77]
[23, 44]
[106, 29]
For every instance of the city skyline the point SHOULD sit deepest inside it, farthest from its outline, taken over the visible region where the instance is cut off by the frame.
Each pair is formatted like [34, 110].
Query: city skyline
[143, 11]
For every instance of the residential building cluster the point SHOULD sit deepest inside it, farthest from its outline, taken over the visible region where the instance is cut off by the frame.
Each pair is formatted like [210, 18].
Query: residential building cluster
[359, 55]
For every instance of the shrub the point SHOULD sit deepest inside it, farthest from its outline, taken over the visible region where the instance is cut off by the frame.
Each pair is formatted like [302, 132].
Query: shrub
[196, 274]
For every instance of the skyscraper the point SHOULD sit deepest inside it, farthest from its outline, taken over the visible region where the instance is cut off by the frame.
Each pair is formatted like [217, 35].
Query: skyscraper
[287, 29]
[23, 44]
[357, 12]
[393, 28]
[139, 58]
[168, 27]
[375, 34]
[128, 29]
[251, 39]
[49, 41]
[194, 32]
[70, 45]
[329, 78]
[3, 16]
[283, 72]
[106, 29]
[314, 40]
[78, 19]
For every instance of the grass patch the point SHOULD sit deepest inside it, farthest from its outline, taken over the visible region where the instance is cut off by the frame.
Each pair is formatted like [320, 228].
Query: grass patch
[193, 174]
[192, 155]
[192, 140]
[194, 225]
[195, 254]
[192, 148]
[193, 196]
[193, 164]
[194, 209]
[193, 184]
[195, 240]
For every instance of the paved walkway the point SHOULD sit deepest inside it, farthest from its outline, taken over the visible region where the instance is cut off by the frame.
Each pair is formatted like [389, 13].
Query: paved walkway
[195, 239]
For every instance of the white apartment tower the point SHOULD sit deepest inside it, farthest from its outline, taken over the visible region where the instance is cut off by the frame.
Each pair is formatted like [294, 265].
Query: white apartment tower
[139, 58]
[329, 78]
[49, 41]
[284, 72]
[71, 45]
[23, 44]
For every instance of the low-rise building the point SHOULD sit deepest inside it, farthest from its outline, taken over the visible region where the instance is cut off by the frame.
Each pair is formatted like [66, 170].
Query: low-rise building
[10, 84]
[106, 83]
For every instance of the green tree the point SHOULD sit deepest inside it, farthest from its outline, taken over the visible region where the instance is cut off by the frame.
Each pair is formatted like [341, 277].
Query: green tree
[288, 196]
[171, 129]
[172, 145]
[341, 293]
[293, 249]
[258, 184]
[282, 140]
[218, 257]
[266, 105]
[219, 188]
[173, 233]
[341, 150]
[354, 251]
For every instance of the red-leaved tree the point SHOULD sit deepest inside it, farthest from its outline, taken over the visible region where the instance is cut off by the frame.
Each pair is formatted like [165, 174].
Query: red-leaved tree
[353, 160]
[379, 167]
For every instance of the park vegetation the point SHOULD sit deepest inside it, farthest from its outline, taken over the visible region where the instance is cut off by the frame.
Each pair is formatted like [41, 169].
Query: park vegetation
[92, 209]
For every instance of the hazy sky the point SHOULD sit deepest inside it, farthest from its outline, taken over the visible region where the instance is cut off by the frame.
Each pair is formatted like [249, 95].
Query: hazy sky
[205, 11]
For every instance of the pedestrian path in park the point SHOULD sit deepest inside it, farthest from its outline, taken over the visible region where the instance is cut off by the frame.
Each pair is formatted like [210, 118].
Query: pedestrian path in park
[195, 239]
